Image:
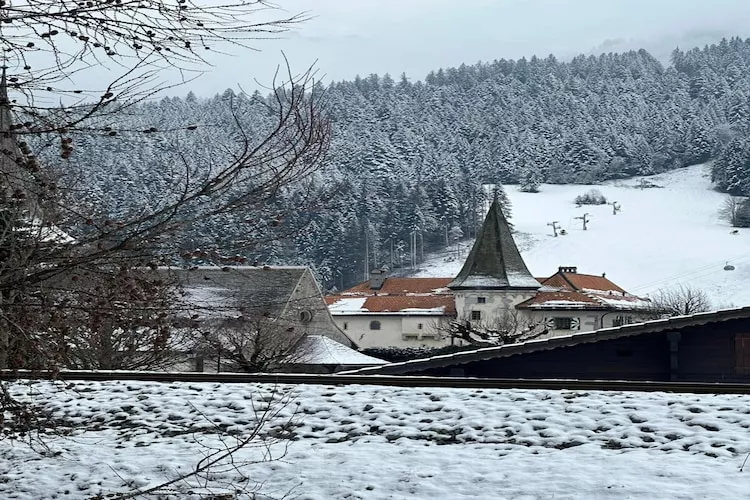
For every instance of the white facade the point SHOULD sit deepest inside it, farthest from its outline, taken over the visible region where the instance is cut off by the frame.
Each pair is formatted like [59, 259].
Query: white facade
[394, 329]
[488, 307]
[566, 322]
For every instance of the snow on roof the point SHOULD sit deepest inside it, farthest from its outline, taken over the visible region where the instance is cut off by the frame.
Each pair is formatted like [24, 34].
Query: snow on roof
[561, 299]
[392, 304]
[338, 304]
[403, 286]
[512, 280]
[321, 350]
[625, 302]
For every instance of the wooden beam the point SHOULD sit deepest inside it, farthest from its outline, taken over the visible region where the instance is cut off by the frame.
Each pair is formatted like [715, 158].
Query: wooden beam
[674, 355]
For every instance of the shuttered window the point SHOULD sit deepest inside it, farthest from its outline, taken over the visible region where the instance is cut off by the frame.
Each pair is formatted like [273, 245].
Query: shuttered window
[563, 323]
[742, 353]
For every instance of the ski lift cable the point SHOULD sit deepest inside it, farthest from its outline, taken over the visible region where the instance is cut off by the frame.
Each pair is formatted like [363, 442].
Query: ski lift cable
[693, 273]
[688, 276]
[701, 270]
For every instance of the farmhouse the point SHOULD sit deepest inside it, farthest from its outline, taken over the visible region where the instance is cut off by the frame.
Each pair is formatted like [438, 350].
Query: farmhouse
[494, 291]
[703, 347]
[278, 306]
[402, 312]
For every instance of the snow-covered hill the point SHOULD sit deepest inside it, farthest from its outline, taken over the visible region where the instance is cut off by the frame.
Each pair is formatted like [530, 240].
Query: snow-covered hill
[662, 237]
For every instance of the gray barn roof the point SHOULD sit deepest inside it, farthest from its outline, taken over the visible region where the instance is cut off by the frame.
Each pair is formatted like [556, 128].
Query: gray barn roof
[494, 262]
[264, 289]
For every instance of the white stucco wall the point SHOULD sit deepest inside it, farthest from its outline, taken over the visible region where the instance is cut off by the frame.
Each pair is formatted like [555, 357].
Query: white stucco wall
[395, 330]
[497, 303]
[588, 320]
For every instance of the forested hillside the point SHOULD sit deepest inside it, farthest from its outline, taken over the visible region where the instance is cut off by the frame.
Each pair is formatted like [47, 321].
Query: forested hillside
[408, 157]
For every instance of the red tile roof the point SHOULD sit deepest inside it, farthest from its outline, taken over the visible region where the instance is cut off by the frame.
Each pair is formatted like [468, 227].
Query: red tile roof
[578, 282]
[562, 290]
[401, 286]
[395, 303]
[563, 299]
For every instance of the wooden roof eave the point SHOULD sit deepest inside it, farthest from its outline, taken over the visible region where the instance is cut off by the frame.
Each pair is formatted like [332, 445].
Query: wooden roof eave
[503, 351]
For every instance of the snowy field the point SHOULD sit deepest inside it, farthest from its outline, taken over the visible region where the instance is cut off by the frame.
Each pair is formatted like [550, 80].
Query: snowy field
[661, 238]
[365, 442]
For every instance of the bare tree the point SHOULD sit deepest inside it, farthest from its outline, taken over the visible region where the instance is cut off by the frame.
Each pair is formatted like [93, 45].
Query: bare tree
[251, 343]
[68, 272]
[114, 319]
[679, 301]
[53, 44]
[514, 326]
[734, 210]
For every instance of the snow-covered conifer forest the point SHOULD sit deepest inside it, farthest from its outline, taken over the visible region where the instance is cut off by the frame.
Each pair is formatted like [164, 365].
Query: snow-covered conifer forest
[409, 155]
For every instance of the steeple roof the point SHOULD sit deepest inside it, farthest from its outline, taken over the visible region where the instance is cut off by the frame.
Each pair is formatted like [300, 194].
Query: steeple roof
[15, 159]
[494, 262]
[5, 116]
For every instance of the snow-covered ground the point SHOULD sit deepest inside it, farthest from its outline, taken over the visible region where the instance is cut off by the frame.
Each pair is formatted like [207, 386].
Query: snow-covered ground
[366, 442]
[661, 238]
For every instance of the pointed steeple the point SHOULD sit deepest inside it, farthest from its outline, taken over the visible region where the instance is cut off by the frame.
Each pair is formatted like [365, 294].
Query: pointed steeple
[5, 115]
[494, 262]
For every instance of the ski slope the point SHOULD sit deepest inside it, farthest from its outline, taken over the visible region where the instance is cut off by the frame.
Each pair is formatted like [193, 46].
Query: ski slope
[661, 238]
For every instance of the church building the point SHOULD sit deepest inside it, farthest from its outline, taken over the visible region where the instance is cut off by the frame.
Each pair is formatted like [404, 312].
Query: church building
[494, 291]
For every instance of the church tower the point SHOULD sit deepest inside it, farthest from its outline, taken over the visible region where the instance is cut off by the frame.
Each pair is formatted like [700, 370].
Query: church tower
[494, 277]
[18, 184]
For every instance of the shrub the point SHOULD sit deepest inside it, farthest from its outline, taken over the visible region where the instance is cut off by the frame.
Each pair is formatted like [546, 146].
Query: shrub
[398, 354]
[592, 197]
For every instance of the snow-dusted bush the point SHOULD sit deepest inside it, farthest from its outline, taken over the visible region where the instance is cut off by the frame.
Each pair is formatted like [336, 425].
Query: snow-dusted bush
[398, 354]
[591, 197]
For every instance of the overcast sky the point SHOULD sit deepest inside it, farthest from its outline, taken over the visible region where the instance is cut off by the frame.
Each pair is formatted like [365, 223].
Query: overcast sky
[350, 37]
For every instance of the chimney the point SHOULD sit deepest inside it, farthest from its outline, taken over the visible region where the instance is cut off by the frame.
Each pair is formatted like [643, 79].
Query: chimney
[604, 275]
[567, 269]
[378, 277]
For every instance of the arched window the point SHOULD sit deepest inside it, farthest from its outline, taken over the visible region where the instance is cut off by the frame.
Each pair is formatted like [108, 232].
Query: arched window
[374, 325]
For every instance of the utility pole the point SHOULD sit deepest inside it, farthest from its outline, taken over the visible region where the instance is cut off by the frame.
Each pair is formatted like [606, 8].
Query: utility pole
[585, 219]
[555, 227]
[413, 249]
[367, 257]
[392, 266]
[615, 207]
[421, 246]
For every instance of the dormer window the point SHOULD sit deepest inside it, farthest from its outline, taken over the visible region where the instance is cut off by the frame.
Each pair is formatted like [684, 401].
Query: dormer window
[305, 316]
[481, 300]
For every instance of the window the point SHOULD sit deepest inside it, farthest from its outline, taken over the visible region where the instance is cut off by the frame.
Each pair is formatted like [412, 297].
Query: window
[374, 325]
[481, 300]
[476, 315]
[346, 326]
[419, 326]
[563, 323]
[622, 320]
[305, 316]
